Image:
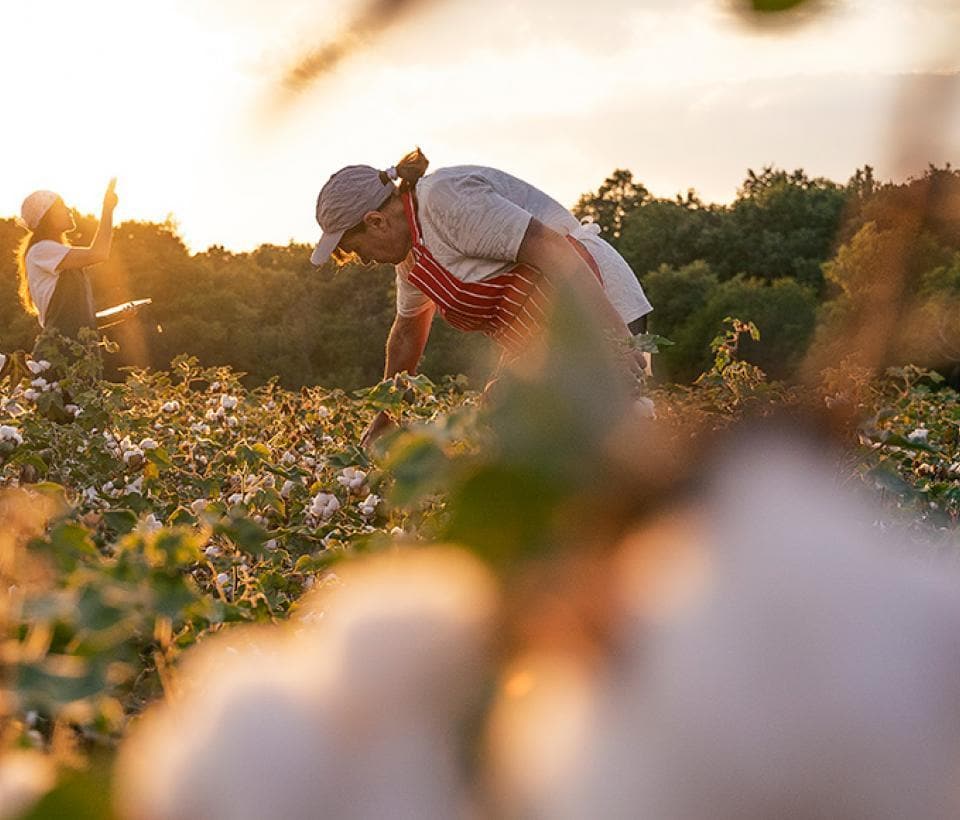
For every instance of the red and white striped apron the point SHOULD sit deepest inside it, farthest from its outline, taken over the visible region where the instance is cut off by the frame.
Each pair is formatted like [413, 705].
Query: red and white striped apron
[510, 307]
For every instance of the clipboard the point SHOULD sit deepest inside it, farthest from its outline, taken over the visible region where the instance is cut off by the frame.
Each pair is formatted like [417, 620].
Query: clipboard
[108, 317]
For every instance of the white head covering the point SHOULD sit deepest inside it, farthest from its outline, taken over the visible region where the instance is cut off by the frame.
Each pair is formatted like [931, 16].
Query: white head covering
[35, 207]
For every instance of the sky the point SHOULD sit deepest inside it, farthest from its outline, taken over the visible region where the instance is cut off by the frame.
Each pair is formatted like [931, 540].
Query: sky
[183, 100]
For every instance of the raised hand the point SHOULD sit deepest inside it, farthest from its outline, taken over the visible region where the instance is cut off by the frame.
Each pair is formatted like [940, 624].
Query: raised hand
[110, 198]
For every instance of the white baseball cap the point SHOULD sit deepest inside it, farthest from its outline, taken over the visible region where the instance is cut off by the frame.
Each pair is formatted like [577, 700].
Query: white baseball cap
[345, 199]
[35, 207]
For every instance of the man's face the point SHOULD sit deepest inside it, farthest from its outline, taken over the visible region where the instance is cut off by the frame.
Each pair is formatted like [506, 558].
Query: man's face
[383, 236]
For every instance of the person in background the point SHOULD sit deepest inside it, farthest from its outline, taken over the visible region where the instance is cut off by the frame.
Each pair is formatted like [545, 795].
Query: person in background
[481, 247]
[54, 284]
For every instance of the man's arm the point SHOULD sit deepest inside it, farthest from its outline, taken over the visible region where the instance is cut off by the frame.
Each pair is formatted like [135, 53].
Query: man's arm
[407, 341]
[405, 346]
[552, 254]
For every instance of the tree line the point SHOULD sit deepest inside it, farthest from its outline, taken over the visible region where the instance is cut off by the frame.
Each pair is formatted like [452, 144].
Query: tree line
[791, 253]
[794, 255]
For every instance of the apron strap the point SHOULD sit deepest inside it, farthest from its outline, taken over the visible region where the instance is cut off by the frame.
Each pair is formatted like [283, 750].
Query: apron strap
[410, 210]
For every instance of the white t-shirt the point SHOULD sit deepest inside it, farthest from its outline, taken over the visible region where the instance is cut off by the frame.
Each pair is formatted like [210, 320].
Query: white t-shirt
[473, 221]
[42, 275]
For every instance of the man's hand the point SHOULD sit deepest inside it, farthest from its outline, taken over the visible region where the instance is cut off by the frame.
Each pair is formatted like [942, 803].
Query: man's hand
[382, 423]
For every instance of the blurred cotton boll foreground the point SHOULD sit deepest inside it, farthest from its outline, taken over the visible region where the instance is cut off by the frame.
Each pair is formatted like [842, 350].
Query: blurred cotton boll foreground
[773, 658]
[24, 778]
[357, 708]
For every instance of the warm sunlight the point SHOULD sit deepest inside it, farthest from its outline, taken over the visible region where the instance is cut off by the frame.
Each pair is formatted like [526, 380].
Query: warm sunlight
[179, 100]
[479, 408]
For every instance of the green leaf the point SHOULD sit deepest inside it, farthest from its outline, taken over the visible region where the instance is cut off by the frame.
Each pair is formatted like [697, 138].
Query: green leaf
[353, 456]
[309, 564]
[418, 465]
[159, 457]
[650, 343]
[243, 532]
[120, 521]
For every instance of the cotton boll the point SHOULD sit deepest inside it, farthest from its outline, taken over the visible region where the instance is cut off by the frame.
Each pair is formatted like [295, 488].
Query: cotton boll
[324, 505]
[352, 478]
[171, 407]
[228, 402]
[149, 524]
[409, 636]
[778, 659]
[257, 742]
[412, 610]
[8, 433]
[360, 713]
[24, 778]
[369, 505]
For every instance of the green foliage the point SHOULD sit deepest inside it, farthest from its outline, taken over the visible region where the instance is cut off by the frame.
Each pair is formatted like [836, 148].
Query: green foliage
[732, 382]
[516, 472]
[672, 233]
[269, 313]
[186, 502]
[618, 197]
[266, 314]
[199, 504]
[767, 6]
[692, 304]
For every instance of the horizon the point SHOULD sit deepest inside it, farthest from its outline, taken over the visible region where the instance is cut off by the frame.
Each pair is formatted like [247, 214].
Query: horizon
[175, 223]
[683, 96]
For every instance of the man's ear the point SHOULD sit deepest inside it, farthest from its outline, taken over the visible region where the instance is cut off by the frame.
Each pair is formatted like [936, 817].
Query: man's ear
[374, 219]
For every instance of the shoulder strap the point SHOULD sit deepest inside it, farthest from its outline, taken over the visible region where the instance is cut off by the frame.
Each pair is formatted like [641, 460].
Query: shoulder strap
[410, 209]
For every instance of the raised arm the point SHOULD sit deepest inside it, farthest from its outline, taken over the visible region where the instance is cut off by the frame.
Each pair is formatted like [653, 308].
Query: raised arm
[99, 250]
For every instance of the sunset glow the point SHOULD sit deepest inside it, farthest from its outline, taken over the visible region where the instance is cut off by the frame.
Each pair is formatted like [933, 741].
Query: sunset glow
[179, 100]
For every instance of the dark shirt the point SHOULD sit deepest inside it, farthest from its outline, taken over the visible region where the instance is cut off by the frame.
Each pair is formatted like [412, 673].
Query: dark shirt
[71, 306]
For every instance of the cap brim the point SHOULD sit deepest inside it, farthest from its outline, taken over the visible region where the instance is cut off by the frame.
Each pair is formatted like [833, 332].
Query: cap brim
[325, 247]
